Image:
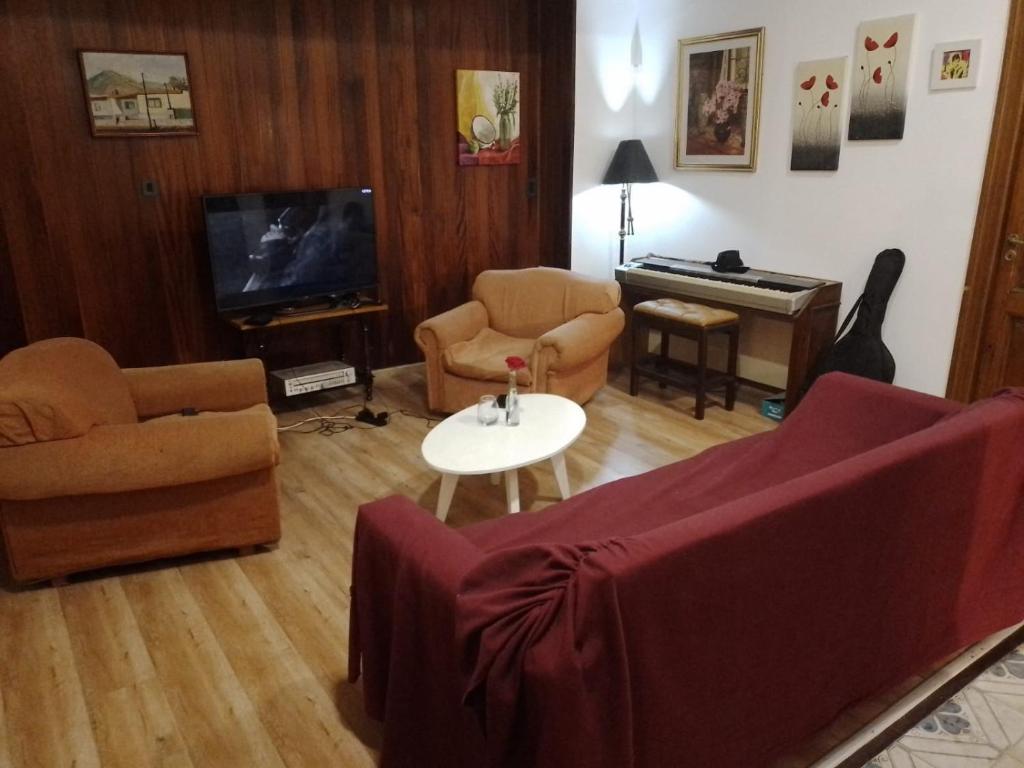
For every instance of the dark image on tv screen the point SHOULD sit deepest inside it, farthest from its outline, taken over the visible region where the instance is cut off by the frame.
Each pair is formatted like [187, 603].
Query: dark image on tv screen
[288, 247]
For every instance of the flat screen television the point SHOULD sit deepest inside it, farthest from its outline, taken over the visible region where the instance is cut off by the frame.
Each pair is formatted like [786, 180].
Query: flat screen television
[284, 248]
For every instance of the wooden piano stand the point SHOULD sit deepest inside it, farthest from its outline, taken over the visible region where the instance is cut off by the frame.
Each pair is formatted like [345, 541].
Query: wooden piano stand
[814, 326]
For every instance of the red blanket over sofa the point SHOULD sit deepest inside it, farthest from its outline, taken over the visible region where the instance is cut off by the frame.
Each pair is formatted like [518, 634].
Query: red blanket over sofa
[714, 612]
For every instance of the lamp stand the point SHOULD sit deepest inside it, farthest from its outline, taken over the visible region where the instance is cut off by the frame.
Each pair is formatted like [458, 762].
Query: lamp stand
[625, 223]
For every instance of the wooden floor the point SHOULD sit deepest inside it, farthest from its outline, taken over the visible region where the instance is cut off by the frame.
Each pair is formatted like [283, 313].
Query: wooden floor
[224, 661]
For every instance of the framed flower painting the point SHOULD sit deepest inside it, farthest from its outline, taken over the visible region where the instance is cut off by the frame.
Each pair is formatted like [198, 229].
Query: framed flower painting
[719, 101]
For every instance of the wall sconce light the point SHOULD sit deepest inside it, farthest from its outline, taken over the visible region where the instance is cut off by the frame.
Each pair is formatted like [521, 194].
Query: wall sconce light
[630, 165]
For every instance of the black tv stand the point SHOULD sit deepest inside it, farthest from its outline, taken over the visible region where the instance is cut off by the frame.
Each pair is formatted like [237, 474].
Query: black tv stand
[323, 304]
[257, 338]
[303, 309]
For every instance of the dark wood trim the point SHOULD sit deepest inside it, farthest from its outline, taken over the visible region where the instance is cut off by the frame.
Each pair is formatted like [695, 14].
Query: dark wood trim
[556, 36]
[1004, 158]
[12, 331]
[290, 95]
[927, 705]
[336, 314]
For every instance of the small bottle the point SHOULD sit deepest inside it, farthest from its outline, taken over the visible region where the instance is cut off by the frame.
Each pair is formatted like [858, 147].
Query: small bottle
[512, 402]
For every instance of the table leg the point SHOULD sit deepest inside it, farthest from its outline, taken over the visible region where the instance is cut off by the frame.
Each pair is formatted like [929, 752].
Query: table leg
[367, 369]
[558, 462]
[444, 496]
[512, 490]
[495, 478]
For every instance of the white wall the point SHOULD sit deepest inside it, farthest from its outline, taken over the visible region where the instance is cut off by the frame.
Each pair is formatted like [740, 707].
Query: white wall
[919, 194]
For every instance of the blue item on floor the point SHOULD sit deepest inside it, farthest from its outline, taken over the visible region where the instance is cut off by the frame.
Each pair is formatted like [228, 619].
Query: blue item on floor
[774, 407]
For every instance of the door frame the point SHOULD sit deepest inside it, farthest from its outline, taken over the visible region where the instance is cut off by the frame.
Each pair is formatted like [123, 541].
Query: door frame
[1004, 158]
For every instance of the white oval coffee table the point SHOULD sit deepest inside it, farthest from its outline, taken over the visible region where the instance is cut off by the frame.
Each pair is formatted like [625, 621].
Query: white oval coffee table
[460, 445]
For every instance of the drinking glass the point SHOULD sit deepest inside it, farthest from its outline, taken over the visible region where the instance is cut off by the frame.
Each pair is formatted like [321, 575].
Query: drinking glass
[487, 410]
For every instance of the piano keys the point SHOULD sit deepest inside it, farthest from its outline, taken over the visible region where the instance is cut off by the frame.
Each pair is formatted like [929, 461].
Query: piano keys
[757, 289]
[810, 305]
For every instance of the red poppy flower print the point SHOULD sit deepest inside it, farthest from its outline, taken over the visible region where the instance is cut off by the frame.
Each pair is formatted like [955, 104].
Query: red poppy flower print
[830, 83]
[870, 44]
[893, 39]
[877, 76]
[808, 83]
[824, 99]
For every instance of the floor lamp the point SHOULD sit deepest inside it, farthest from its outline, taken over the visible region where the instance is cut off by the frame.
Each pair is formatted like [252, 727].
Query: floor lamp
[630, 165]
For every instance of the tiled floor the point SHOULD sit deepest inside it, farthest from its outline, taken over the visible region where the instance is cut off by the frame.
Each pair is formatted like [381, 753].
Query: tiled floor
[982, 726]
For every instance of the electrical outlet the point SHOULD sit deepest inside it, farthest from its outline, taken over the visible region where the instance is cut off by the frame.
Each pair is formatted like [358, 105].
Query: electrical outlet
[150, 188]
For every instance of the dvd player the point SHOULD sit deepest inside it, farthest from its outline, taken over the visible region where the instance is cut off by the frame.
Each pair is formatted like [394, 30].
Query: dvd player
[312, 378]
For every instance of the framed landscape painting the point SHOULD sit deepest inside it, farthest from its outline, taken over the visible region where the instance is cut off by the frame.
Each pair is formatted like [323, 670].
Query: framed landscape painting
[133, 93]
[719, 101]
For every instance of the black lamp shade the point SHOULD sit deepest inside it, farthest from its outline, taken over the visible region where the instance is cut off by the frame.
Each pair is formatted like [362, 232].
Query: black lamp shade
[630, 164]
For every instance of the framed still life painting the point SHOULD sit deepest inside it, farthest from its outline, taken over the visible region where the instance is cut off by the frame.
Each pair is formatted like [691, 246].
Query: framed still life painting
[719, 101]
[488, 117]
[132, 93]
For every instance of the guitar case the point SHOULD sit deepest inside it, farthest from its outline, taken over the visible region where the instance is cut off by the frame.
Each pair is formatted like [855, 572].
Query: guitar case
[861, 351]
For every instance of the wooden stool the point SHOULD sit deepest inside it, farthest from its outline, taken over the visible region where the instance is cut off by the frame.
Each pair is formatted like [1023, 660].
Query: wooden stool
[693, 321]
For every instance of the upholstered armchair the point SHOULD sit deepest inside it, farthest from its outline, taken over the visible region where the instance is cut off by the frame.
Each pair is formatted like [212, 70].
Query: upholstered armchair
[562, 323]
[101, 466]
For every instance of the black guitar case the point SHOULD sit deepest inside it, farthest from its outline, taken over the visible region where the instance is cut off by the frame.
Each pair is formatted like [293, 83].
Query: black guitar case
[862, 351]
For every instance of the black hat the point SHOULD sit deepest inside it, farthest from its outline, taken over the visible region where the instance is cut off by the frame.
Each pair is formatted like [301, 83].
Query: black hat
[728, 261]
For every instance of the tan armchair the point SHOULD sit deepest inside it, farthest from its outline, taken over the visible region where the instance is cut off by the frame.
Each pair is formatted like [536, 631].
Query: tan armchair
[99, 466]
[560, 322]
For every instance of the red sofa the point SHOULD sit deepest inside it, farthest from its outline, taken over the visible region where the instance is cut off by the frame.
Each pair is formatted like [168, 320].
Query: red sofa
[714, 612]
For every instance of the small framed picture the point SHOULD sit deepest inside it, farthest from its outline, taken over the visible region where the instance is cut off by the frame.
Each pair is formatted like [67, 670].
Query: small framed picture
[955, 65]
[137, 93]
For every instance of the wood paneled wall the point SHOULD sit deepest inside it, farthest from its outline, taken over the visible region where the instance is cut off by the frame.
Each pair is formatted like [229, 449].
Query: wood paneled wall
[12, 333]
[289, 94]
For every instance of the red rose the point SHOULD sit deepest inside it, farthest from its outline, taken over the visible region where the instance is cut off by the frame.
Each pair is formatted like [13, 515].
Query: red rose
[515, 363]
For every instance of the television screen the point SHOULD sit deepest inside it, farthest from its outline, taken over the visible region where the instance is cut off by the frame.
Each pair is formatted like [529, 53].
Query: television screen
[287, 247]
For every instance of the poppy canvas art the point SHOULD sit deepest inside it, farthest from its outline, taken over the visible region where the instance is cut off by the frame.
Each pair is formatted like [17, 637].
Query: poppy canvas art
[878, 109]
[819, 92]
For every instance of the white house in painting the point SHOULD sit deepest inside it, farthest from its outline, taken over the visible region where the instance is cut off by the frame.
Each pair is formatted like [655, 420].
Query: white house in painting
[120, 102]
